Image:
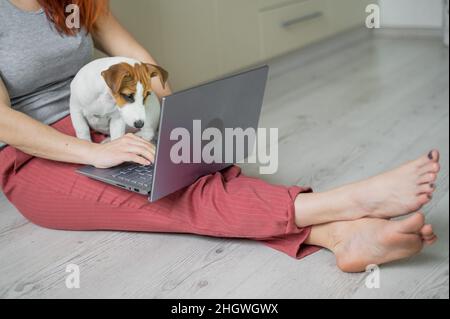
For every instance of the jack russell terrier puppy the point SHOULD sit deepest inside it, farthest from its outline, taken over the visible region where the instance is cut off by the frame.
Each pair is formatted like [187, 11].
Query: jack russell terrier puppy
[114, 96]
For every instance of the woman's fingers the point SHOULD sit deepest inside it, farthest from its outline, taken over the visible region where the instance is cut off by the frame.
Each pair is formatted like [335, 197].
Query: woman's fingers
[131, 148]
[130, 157]
[142, 151]
[138, 146]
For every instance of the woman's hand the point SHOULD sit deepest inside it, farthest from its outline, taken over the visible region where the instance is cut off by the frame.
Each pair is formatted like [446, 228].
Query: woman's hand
[129, 148]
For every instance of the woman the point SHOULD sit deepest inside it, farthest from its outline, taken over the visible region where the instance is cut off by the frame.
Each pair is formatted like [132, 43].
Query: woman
[40, 54]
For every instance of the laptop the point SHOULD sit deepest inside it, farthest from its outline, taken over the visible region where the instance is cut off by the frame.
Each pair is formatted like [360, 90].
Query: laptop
[228, 103]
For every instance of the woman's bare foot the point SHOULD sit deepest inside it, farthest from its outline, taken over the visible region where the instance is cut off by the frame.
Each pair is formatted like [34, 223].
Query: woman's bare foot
[370, 241]
[400, 191]
[395, 193]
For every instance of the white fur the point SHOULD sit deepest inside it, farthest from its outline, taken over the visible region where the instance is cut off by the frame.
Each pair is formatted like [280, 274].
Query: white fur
[93, 106]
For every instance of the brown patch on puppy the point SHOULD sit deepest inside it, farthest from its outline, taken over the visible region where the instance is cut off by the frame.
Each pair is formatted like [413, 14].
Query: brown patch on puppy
[119, 78]
[122, 79]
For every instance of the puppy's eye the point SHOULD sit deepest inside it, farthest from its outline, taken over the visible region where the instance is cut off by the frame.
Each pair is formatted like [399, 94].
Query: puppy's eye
[128, 97]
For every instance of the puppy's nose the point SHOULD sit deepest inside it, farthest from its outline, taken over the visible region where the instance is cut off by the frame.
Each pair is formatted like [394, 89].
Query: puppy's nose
[139, 124]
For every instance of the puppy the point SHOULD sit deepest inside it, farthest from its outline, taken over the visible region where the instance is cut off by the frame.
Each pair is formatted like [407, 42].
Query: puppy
[114, 96]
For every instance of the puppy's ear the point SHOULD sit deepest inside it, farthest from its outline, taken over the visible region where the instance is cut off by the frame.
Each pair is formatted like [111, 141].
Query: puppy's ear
[156, 70]
[115, 75]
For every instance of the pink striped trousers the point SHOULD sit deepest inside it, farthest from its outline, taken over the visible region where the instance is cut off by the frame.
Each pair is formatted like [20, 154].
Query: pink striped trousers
[226, 204]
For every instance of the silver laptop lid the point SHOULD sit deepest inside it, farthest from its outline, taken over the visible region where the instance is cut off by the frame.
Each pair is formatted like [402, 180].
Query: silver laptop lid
[232, 102]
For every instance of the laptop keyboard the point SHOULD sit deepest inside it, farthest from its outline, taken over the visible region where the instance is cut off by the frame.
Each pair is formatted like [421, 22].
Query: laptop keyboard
[136, 175]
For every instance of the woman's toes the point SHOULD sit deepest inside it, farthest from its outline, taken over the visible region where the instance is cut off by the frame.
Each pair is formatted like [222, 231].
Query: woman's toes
[427, 188]
[425, 198]
[434, 155]
[410, 225]
[429, 238]
[427, 178]
[431, 241]
[432, 167]
[427, 231]
[428, 235]
[423, 160]
[421, 201]
[436, 168]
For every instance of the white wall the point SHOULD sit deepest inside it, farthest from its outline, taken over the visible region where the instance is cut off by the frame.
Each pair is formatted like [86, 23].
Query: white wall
[411, 13]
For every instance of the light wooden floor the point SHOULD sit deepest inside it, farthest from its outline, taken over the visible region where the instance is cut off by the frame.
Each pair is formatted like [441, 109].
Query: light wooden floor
[344, 113]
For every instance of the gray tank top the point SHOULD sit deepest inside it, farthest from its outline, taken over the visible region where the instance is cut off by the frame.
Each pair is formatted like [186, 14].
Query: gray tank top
[37, 64]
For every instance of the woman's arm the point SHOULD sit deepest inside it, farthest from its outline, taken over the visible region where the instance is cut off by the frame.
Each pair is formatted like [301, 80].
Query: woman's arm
[114, 40]
[37, 139]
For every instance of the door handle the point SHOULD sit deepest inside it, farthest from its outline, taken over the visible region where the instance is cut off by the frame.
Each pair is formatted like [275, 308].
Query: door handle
[311, 16]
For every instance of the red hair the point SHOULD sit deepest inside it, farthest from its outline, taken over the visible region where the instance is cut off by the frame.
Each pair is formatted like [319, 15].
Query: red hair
[90, 11]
